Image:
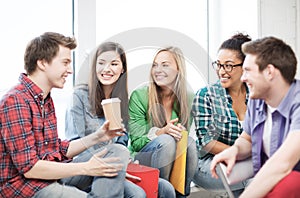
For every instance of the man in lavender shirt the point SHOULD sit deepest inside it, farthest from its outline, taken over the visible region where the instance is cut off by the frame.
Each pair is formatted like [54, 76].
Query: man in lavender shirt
[272, 124]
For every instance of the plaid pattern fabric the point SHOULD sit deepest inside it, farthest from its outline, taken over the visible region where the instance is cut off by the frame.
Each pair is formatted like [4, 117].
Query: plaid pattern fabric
[28, 133]
[214, 117]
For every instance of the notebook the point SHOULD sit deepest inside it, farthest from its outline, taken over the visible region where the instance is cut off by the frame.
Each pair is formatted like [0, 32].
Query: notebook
[177, 177]
[224, 180]
[241, 171]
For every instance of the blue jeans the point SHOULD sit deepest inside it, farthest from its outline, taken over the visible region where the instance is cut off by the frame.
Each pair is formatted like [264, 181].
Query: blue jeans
[165, 190]
[161, 152]
[132, 190]
[204, 179]
[99, 186]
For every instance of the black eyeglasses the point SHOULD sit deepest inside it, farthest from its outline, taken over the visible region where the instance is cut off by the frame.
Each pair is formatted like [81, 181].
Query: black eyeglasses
[227, 67]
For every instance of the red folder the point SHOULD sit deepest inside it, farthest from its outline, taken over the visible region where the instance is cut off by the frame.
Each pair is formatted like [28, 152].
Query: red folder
[149, 178]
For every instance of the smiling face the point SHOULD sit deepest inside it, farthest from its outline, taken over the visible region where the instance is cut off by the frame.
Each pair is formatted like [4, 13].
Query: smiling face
[164, 69]
[255, 79]
[109, 68]
[59, 68]
[233, 78]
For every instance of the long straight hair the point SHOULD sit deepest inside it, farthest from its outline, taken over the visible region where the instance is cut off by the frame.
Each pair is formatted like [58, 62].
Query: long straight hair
[120, 90]
[156, 111]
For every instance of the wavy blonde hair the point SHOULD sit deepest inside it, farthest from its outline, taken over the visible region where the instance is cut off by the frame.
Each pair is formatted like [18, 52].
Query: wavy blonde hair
[156, 111]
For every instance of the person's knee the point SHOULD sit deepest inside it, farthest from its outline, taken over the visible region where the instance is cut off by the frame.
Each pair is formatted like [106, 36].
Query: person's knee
[120, 151]
[165, 188]
[167, 142]
[166, 148]
[140, 193]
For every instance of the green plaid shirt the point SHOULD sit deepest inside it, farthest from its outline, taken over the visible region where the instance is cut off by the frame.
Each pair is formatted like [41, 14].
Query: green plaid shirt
[214, 117]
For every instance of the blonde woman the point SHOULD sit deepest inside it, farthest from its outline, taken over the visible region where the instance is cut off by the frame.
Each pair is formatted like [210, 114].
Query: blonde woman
[159, 112]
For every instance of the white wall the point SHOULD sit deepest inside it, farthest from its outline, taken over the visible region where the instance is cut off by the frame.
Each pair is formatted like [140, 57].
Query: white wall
[281, 19]
[116, 19]
[20, 22]
[226, 17]
[143, 26]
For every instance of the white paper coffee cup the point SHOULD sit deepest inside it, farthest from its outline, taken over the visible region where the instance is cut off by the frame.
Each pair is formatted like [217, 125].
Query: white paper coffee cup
[112, 112]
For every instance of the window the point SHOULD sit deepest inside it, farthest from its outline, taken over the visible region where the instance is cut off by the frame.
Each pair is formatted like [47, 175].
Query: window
[197, 27]
[21, 21]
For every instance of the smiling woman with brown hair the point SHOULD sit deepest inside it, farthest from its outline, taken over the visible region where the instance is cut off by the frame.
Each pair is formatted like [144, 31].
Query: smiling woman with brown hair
[107, 79]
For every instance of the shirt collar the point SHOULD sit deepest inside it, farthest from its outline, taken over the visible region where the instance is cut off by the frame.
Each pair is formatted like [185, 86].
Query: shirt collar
[224, 92]
[32, 88]
[284, 106]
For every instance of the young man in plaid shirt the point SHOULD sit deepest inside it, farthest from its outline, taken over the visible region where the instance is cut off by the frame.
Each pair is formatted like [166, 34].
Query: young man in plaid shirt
[34, 161]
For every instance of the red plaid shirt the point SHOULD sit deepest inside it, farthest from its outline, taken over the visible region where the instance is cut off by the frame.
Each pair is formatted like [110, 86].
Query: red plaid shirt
[28, 133]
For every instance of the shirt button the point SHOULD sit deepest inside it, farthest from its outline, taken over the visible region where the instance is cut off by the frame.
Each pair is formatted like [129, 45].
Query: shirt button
[46, 143]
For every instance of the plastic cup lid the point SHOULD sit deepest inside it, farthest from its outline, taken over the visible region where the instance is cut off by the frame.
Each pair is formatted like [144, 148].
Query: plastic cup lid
[110, 100]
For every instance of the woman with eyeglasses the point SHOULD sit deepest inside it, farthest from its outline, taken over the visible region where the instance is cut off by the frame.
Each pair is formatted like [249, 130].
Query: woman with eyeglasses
[219, 110]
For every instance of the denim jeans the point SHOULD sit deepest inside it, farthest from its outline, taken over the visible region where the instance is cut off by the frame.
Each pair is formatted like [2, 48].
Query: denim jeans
[132, 190]
[161, 152]
[165, 189]
[204, 179]
[99, 186]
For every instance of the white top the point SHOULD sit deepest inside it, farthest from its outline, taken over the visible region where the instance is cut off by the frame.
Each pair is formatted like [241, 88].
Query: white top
[268, 130]
[241, 122]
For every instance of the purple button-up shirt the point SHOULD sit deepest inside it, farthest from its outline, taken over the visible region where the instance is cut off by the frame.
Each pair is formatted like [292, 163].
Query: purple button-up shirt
[285, 119]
